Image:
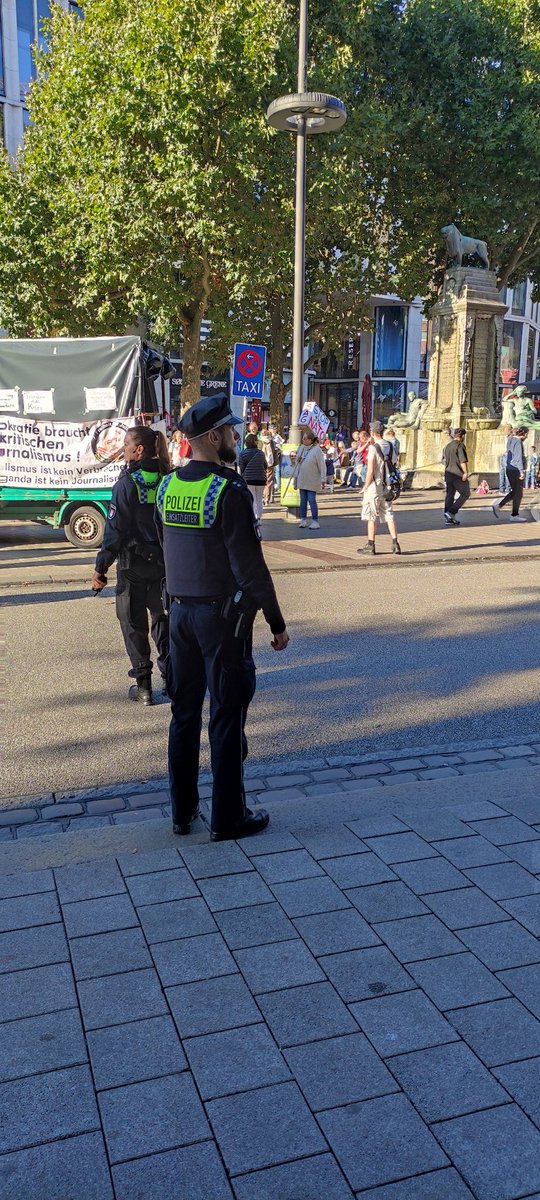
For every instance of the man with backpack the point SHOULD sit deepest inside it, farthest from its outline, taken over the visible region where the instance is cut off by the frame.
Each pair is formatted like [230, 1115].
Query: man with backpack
[382, 486]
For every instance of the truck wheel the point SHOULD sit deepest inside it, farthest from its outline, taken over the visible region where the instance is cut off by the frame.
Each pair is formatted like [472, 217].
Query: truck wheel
[85, 527]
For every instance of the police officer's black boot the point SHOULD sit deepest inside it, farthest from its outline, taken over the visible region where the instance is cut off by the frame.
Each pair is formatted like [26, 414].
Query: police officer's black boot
[142, 690]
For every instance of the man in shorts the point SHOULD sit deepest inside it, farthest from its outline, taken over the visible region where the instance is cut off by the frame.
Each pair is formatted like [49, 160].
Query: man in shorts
[374, 507]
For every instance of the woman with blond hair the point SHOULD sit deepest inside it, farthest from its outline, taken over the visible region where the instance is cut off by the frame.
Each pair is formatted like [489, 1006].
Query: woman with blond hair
[309, 477]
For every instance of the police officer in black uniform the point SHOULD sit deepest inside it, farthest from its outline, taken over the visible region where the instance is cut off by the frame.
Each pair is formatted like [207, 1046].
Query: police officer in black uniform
[131, 537]
[217, 579]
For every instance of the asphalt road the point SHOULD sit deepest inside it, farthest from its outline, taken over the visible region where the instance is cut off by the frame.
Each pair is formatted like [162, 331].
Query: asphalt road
[378, 660]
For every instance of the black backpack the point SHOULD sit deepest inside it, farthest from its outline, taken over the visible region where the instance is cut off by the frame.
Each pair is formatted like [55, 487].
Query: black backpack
[391, 476]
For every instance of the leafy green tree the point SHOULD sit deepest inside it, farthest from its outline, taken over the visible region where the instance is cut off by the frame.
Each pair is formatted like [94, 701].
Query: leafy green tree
[150, 186]
[129, 195]
[459, 86]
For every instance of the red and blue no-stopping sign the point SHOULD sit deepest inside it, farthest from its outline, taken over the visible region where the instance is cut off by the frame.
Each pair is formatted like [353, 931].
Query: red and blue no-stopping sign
[248, 372]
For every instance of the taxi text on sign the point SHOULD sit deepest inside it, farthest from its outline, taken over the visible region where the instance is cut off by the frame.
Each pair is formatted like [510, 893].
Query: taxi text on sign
[248, 372]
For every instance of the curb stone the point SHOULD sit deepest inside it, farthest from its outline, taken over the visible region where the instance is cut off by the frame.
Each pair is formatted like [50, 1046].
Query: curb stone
[106, 805]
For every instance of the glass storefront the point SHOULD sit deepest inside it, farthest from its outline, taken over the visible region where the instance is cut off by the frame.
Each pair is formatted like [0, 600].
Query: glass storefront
[339, 399]
[511, 351]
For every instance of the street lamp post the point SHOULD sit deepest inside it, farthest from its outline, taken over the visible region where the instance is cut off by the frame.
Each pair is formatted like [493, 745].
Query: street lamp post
[303, 113]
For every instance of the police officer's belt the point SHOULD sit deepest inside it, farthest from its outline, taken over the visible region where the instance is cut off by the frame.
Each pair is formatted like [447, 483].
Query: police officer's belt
[197, 599]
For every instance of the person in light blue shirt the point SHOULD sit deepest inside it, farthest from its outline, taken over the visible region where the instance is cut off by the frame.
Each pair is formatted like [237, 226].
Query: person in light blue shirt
[516, 465]
[530, 474]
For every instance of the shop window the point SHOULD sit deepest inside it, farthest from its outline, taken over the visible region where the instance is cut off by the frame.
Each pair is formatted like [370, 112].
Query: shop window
[511, 351]
[518, 299]
[340, 399]
[390, 340]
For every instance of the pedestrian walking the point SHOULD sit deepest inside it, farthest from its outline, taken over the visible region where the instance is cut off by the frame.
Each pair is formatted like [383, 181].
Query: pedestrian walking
[269, 450]
[532, 469]
[309, 477]
[278, 441]
[131, 538]
[375, 506]
[252, 466]
[503, 481]
[456, 476]
[217, 579]
[516, 465]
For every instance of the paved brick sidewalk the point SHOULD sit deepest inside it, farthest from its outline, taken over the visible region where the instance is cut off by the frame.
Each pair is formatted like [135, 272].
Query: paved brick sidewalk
[347, 1009]
[137, 801]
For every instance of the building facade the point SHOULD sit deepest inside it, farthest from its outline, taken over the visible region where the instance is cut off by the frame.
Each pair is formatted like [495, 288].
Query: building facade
[20, 30]
[395, 353]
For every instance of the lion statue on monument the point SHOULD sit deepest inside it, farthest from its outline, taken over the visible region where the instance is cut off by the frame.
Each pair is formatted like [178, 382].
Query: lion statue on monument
[459, 246]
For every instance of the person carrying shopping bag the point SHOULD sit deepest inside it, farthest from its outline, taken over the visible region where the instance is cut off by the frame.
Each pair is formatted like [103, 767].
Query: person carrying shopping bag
[309, 477]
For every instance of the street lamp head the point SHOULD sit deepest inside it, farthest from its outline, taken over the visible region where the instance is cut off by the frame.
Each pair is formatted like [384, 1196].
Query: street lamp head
[307, 112]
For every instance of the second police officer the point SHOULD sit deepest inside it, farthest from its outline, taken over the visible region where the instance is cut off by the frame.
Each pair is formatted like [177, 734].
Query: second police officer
[131, 537]
[216, 579]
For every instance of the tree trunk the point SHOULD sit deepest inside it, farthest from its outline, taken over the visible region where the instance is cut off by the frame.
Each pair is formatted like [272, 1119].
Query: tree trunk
[192, 360]
[191, 319]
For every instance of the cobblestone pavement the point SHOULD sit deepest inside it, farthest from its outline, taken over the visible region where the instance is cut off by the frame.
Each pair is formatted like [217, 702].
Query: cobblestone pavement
[346, 1006]
[139, 801]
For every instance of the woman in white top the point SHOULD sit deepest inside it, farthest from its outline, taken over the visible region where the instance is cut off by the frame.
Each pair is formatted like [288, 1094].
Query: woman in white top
[309, 477]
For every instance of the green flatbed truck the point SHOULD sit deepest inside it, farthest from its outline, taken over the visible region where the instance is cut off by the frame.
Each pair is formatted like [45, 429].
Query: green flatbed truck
[81, 514]
[65, 404]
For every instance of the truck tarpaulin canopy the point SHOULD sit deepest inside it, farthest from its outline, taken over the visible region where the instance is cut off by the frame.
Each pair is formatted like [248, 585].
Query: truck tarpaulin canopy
[70, 379]
[65, 407]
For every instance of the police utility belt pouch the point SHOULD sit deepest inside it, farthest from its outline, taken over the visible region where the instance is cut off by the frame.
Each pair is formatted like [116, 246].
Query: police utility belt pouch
[148, 553]
[240, 612]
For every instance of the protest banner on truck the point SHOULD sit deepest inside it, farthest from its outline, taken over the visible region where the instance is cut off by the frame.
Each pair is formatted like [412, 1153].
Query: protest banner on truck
[61, 454]
[315, 419]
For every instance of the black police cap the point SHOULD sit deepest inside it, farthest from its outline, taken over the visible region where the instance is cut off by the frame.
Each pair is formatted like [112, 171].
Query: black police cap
[209, 413]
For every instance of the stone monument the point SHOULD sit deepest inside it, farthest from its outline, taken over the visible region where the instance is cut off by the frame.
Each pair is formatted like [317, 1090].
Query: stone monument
[464, 368]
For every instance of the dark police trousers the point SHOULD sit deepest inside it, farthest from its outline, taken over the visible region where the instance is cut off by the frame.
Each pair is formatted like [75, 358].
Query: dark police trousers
[454, 483]
[204, 654]
[137, 595]
[516, 490]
